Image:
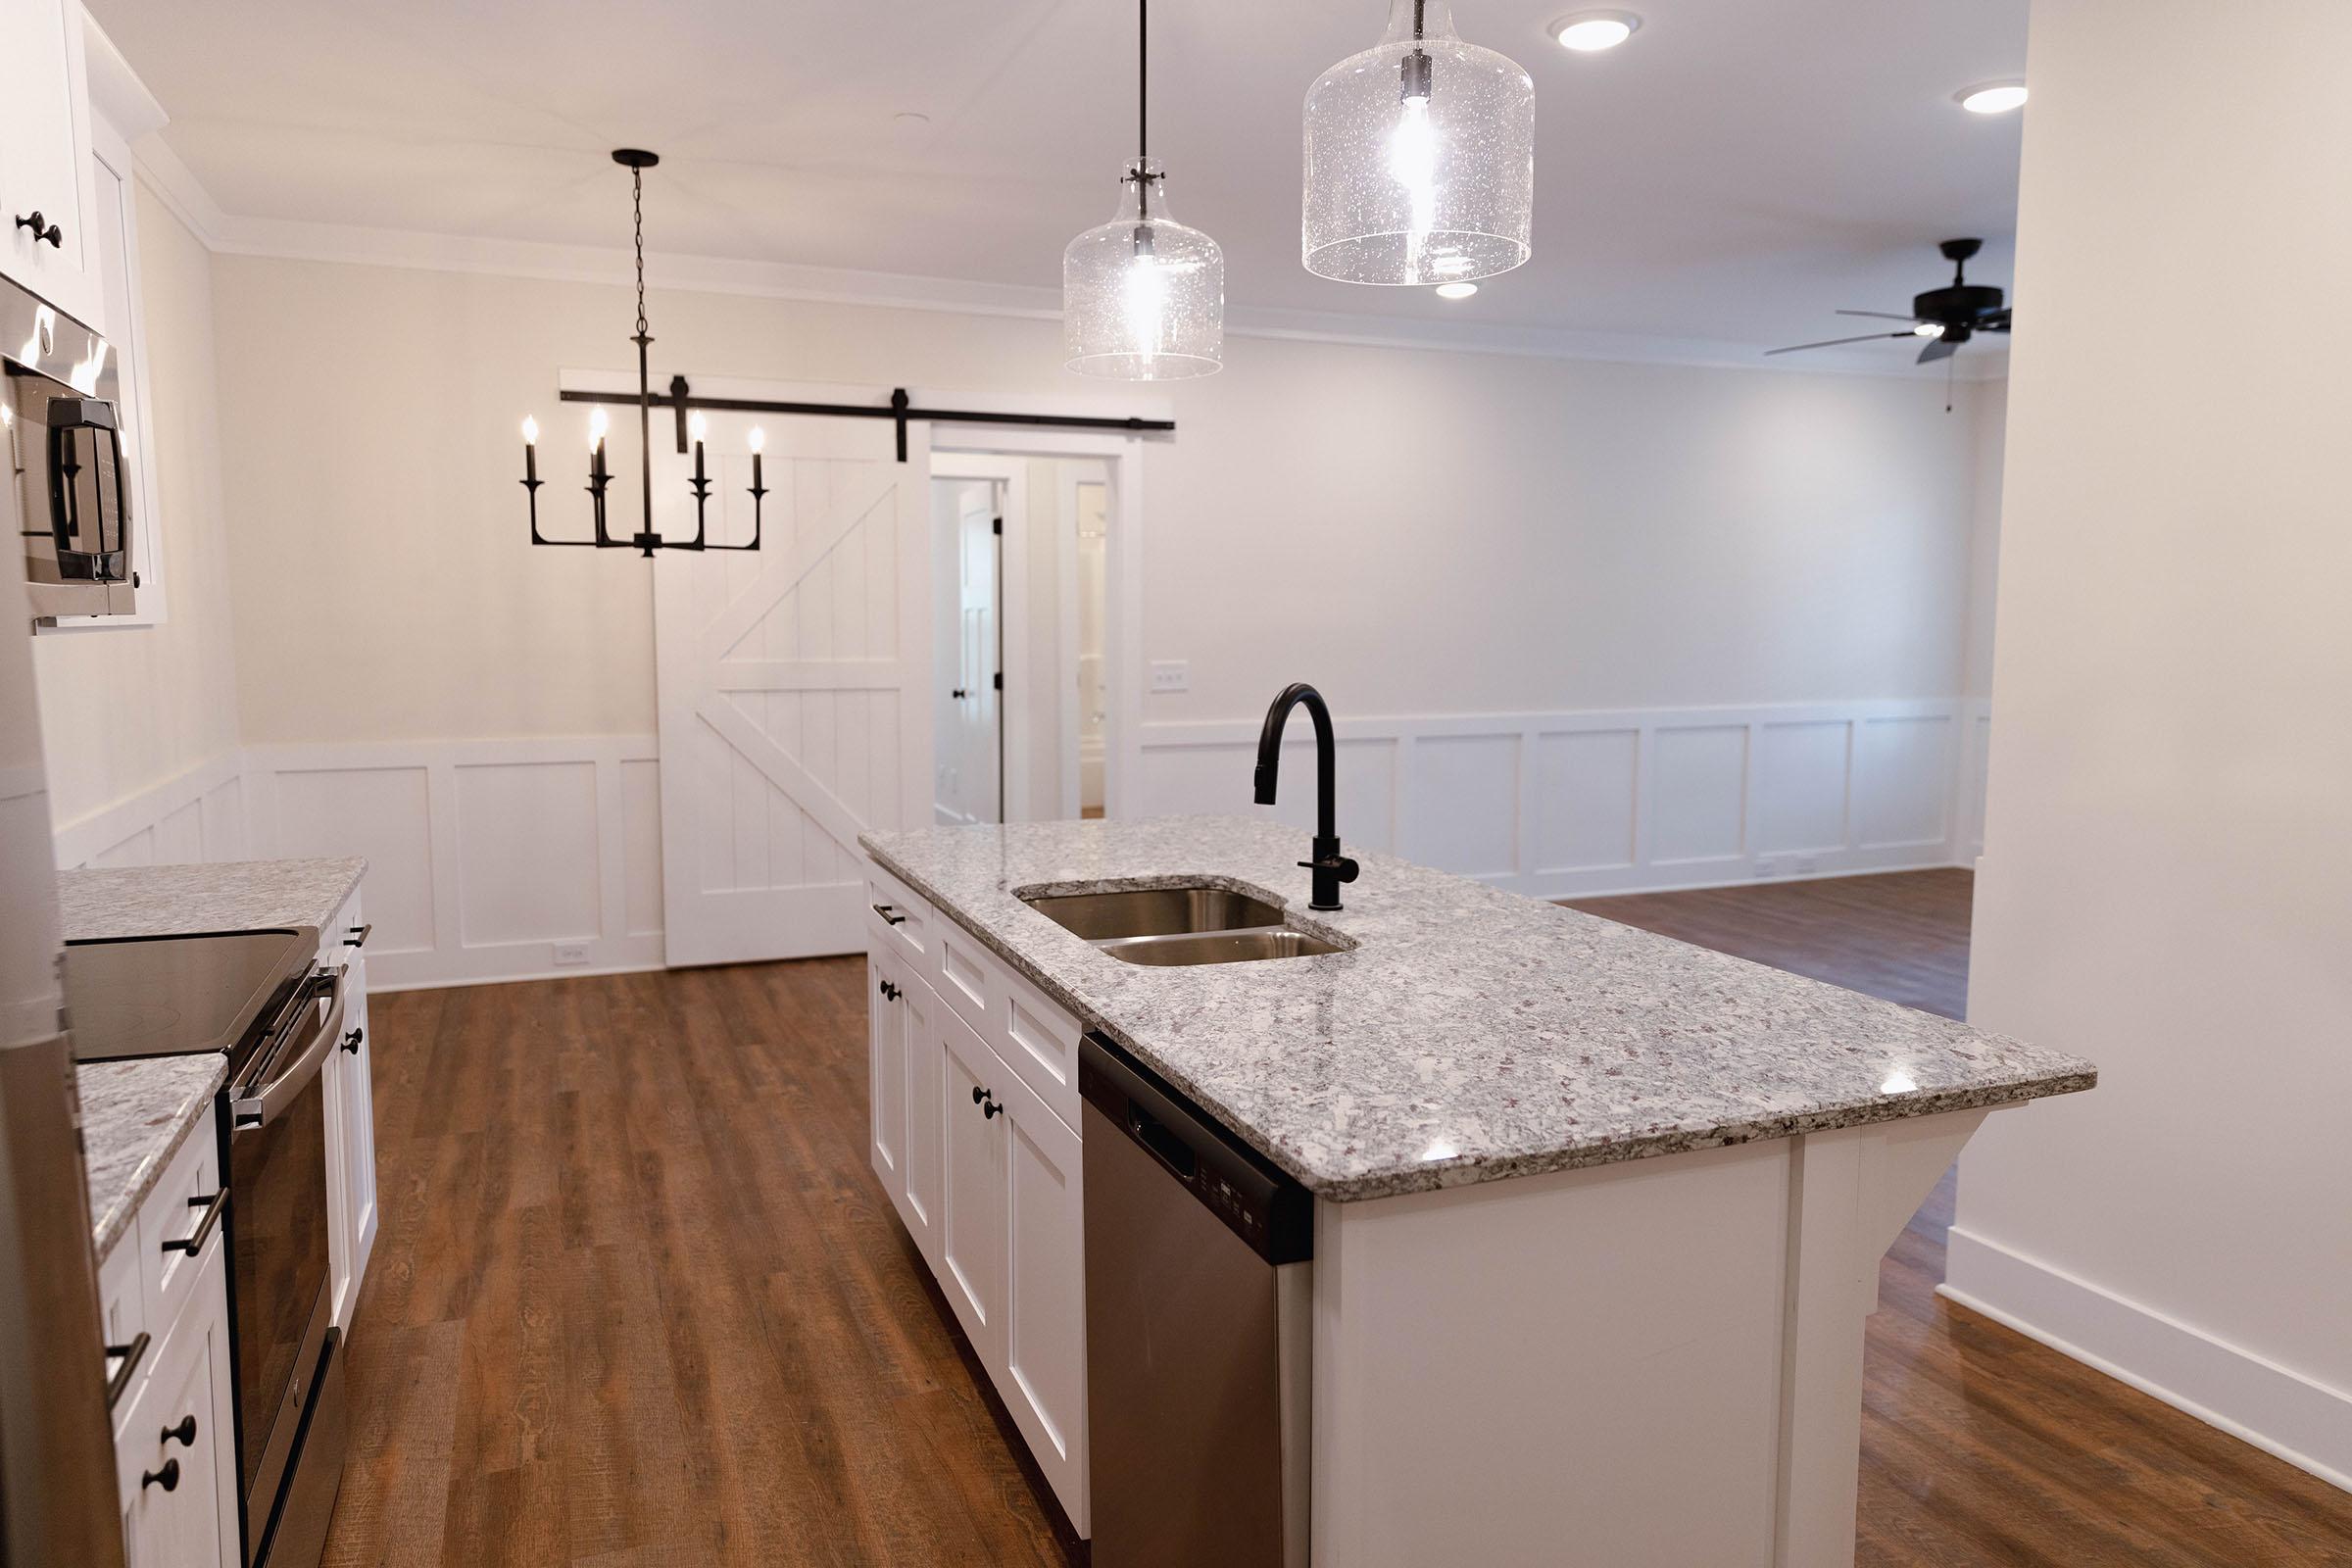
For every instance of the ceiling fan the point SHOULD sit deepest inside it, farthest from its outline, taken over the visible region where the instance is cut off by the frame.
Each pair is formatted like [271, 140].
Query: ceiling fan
[1945, 316]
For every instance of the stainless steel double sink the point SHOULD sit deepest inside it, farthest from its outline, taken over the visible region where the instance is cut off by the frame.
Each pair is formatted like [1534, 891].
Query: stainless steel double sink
[1173, 926]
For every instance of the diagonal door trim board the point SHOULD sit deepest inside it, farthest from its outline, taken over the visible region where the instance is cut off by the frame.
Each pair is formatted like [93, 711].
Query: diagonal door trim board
[774, 763]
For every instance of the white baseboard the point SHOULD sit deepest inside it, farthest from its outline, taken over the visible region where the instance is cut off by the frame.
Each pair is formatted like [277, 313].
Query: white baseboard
[2277, 1409]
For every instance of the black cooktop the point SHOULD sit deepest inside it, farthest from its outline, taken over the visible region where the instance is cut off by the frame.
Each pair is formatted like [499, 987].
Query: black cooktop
[179, 996]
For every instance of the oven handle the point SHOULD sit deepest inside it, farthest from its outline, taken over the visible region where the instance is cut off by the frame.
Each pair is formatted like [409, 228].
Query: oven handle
[260, 1107]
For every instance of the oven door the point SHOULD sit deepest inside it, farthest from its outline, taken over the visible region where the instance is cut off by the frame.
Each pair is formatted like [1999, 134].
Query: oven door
[278, 1240]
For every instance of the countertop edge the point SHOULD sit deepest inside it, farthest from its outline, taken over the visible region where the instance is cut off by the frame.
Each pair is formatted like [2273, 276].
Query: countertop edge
[1472, 1170]
[108, 1229]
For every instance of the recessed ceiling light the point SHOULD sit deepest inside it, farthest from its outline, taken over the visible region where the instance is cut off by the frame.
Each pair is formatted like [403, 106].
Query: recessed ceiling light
[1591, 32]
[1457, 291]
[1993, 97]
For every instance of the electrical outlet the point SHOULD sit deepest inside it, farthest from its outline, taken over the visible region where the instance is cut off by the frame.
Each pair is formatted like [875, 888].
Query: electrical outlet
[1171, 675]
[1806, 866]
[568, 953]
[1767, 867]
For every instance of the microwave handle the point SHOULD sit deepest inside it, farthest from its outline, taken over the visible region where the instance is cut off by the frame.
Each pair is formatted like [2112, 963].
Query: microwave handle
[261, 1106]
[77, 534]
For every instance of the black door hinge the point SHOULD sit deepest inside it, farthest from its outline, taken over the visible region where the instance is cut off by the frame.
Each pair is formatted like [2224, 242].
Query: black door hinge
[1000, 680]
[996, 525]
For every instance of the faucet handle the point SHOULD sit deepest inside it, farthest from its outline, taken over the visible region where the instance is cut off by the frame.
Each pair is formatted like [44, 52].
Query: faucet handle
[1339, 865]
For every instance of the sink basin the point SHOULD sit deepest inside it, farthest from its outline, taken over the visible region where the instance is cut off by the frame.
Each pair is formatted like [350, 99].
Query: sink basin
[1217, 946]
[1155, 912]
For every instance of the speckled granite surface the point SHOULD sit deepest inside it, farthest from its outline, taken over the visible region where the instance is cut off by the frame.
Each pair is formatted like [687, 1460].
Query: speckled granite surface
[153, 901]
[135, 1117]
[1472, 1034]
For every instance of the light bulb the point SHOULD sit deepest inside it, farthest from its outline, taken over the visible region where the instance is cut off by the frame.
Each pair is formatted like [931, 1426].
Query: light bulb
[598, 424]
[757, 440]
[1457, 291]
[530, 431]
[1413, 164]
[1146, 303]
[696, 425]
[1927, 330]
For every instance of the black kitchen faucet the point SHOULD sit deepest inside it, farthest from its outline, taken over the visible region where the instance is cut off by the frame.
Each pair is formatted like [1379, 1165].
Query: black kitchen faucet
[1330, 866]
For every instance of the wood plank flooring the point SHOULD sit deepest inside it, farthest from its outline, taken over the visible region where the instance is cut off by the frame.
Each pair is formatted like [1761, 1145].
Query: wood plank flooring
[638, 1303]
[1979, 1447]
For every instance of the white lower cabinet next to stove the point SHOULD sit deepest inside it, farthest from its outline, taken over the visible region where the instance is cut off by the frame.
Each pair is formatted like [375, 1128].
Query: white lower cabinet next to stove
[986, 1177]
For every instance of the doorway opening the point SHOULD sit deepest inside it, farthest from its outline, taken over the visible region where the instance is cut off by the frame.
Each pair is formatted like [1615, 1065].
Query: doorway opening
[1021, 622]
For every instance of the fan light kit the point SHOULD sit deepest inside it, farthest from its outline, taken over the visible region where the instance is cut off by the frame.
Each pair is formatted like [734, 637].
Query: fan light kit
[1457, 291]
[1991, 97]
[1142, 296]
[1588, 32]
[1946, 316]
[1420, 158]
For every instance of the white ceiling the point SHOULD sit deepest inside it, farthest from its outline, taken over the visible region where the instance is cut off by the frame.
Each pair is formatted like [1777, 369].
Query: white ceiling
[1734, 173]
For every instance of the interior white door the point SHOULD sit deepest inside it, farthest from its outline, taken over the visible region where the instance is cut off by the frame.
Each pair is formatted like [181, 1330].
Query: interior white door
[971, 736]
[793, 680]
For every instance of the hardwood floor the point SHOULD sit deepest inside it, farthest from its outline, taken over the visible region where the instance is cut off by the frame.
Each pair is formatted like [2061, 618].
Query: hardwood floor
[639, 1302]
[1979, 1447]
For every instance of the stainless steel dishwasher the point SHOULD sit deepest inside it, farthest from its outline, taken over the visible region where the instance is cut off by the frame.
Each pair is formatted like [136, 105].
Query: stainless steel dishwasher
[1198, 1331]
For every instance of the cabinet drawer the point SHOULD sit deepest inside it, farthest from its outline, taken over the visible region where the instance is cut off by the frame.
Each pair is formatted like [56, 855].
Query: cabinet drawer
[903, 922]
[1039, 1042]
[341, 938]
[181, 1206]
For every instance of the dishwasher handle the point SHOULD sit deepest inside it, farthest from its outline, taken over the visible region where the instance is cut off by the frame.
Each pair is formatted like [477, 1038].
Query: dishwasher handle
[1258, 1200]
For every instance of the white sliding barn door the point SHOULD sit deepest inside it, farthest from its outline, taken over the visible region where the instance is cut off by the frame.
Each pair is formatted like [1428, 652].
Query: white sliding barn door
[794, 681]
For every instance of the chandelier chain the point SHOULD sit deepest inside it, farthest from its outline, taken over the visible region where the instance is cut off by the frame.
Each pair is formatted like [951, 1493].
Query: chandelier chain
[637, 199]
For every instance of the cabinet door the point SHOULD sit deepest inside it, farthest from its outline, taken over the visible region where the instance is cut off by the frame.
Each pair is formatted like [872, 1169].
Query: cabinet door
[917, 1193]
[972, 1246]
[886, 1067]
[355, 1088]
[1044, 1379]
[173, 1455]
[45, 157]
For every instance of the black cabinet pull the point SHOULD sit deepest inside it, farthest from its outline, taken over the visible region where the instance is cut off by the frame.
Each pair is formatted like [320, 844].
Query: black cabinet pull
[166, 1477]
[986, 1100]
[55, 235]
[890, 992]
[184, 1434]
[211, 1207]
[133, 1354]
[888, 919]
[351, 1042]
[358, 935]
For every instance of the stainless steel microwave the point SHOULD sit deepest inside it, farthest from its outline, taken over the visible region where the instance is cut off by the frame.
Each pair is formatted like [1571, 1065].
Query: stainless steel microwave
[67, 499]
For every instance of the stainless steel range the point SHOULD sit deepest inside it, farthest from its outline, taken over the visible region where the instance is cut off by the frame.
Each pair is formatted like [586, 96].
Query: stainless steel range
[262, 998]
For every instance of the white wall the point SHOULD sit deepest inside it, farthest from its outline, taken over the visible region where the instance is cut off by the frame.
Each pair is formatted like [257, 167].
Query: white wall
[1587, 625]
[2167, 886]
[139, 723]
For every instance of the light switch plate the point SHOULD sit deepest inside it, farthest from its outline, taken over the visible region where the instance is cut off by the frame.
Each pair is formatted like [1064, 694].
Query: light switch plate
[1171, 675]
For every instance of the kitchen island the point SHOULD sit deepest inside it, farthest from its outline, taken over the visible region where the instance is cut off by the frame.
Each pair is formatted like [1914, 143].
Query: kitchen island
[1596, 1214]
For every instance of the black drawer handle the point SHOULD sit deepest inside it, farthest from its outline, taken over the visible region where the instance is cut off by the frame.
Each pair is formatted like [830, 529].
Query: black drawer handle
[358, 935]
[184, 1434]
[196, 1239]
[351, 1042]
[888, 919]
[133, 1354]
[55, 235]
[890, 992]
[166, 1477]
[986, 1100]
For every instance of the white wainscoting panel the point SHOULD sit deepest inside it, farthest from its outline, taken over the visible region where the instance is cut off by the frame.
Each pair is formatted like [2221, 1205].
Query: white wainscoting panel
[196, 815]
[492, 859]
[1572, 804]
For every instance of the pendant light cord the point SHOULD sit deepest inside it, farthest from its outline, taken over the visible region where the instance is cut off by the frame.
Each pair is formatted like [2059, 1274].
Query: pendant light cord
[1143, 116]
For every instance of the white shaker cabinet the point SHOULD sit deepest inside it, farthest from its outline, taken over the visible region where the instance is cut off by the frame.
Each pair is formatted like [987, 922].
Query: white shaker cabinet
[350, 1119]
[982, 1168]
[45, 165]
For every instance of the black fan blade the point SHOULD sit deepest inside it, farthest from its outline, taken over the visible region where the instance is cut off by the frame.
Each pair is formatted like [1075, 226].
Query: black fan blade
[1833, 342]
[1942, 348]
[1995, 321]
[1880, 316]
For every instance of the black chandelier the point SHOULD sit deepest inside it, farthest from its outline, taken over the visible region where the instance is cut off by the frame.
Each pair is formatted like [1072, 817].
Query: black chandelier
[646, 540]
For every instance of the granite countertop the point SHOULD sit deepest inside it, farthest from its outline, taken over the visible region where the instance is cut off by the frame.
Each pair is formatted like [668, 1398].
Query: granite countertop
[135, 1117]
[1471, 1033]
[154, 900]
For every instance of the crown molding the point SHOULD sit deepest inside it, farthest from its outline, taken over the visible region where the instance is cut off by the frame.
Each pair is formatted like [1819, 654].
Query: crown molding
[287, 239]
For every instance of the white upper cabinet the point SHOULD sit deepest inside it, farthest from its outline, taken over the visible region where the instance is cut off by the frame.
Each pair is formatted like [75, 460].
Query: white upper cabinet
[45, 158]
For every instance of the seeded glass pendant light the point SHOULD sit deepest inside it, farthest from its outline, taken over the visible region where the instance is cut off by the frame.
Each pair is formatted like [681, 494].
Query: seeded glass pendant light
[1142, 297]
[1420, 158]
